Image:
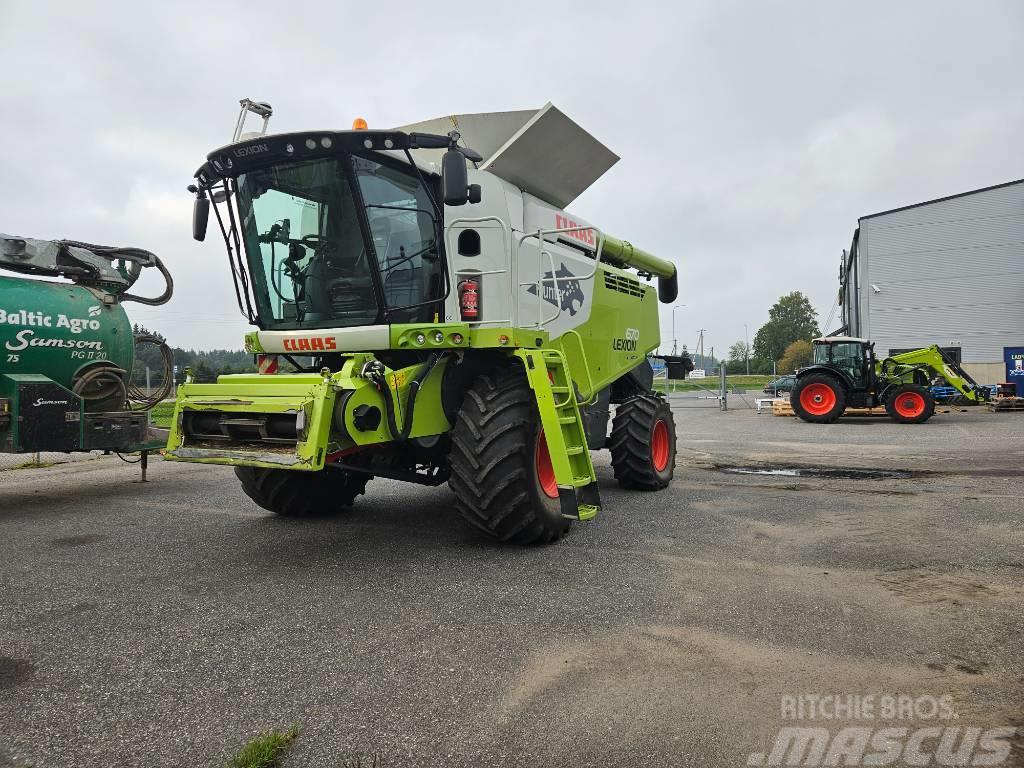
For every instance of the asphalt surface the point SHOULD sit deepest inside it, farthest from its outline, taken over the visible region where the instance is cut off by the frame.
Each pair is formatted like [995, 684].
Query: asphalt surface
[169, 623]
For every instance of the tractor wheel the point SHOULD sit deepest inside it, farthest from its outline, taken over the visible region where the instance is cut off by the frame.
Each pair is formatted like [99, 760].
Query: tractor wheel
[643, 443]
[301, 494]
[910, 404]
[818, 398]
[501, 471]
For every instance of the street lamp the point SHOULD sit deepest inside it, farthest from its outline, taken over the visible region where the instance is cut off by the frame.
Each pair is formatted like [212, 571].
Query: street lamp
[675, 341]
[746, 347]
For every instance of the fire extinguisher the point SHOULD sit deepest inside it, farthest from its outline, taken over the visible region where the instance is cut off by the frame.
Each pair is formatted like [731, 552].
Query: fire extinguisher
[469, 299]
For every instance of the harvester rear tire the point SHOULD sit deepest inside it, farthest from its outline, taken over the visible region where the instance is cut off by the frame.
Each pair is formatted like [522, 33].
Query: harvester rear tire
[498, 472]
[301, 494]
[910, 404]
[643, 443]
[818, 398]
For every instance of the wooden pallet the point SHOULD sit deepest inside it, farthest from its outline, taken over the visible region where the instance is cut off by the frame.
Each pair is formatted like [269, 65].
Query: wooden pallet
[783, 408]
[1006, 404]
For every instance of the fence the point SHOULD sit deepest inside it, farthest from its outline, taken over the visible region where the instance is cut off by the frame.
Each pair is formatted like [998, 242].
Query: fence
[714, 391]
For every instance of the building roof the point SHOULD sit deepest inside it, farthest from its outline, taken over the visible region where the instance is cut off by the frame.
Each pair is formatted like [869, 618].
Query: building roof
[942, 199]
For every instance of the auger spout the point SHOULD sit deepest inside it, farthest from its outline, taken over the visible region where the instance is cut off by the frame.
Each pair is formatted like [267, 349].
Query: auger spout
[665, 271]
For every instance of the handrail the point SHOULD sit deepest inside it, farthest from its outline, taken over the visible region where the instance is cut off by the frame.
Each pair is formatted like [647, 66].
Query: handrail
[592, 390]
[541, 235]
[506, 239]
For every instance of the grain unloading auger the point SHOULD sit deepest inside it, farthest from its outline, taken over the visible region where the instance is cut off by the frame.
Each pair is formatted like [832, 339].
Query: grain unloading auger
[447, 323]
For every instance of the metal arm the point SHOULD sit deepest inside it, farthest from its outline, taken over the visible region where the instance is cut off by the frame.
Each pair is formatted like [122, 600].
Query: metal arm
[108, 268]
[935, 362]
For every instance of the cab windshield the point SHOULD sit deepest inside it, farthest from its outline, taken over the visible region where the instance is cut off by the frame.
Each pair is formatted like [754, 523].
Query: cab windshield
[339, 241]
[848, 356]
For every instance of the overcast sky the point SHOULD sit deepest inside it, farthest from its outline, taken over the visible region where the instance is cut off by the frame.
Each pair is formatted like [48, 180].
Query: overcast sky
[752, 134]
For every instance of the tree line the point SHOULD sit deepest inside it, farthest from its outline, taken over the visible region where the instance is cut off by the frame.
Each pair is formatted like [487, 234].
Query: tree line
[206, 365]
[784, 340]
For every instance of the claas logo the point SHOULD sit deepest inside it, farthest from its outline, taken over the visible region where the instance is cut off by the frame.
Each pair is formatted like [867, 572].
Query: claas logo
[583, 235]
[311, 344]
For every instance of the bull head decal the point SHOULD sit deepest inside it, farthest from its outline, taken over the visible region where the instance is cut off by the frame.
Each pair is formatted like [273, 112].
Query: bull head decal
[564, 294]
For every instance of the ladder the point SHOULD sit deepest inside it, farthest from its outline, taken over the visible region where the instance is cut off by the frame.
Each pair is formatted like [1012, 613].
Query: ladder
[560, 417]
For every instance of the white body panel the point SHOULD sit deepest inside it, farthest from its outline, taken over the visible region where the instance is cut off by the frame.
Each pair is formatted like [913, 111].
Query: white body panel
[367, 337]
[520, 284]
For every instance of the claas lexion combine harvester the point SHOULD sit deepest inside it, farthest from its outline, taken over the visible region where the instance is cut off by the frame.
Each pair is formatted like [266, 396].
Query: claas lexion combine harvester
[447, 319]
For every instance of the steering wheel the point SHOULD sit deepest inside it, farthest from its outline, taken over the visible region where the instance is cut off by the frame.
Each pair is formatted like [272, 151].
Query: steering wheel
[313, 241]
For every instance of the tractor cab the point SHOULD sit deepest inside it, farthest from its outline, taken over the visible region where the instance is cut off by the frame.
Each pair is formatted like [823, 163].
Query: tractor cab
[850, 357]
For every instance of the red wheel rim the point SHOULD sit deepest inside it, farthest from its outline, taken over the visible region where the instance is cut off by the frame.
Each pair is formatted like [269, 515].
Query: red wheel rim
[545, 471]
[660, 446]
[817, 399]
[910, 405]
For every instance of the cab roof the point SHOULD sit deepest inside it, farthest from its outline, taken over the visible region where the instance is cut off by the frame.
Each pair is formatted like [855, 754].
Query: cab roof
[839, 339]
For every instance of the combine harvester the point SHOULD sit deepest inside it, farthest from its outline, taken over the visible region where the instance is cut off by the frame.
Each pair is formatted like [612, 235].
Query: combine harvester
[68, 349]
[449, 323]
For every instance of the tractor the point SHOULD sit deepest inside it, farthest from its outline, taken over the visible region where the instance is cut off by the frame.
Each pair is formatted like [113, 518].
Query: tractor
[846, 374]
[68, 349]
[442, 316]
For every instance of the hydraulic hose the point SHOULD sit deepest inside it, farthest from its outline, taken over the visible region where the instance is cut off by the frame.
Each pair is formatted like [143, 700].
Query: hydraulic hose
[379, 379]
[138, 258]
[164, 297]
[142, 400]
[101, 382]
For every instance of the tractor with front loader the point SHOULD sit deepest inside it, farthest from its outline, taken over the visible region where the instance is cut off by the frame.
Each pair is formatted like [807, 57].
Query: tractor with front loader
[846, 374]
[446, 319]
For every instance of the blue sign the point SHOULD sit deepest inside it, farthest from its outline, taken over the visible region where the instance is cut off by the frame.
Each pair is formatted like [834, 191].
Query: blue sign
[1014, 357]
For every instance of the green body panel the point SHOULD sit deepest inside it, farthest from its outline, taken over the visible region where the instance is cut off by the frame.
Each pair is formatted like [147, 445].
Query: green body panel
[313, 394]
[621, 330]
[14, 413]
[58, 329]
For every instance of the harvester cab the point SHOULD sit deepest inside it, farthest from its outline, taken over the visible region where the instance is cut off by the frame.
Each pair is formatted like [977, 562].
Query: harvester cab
[443, 316]
[846, 373]
[68, 348]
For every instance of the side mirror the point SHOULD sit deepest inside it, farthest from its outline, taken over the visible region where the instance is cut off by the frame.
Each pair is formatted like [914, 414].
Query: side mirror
[200, 217]
[454, 177]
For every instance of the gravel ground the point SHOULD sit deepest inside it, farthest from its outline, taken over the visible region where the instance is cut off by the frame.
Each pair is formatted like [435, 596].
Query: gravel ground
[168, 623]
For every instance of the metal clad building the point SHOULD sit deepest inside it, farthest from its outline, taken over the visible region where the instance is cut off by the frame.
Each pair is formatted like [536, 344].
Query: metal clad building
[947, 272]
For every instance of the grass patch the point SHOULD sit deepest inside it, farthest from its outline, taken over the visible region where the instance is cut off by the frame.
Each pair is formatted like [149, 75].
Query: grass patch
[34, 465]
[711, 382]
[265, 751]
[162, 414]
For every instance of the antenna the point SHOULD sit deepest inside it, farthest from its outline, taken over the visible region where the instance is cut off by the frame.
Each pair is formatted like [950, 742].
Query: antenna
[258, 108]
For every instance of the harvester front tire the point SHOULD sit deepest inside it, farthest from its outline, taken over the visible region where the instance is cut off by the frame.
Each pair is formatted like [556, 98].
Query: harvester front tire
[301, 494]
[499, 462]
[818, 398]
[643, 443]
[910, 404]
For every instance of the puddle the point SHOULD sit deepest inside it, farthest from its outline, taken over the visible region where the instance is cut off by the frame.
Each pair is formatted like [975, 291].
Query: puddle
[826, 472]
